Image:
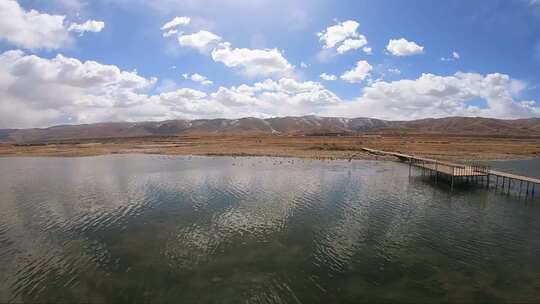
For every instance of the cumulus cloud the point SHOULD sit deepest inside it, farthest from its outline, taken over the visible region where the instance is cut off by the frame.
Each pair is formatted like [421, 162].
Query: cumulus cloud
[344, 37]
[35, 30]
[201, 40]
[358, 73]
[37, 92]
[440, 96]
[328, 77]
[276, 98]
[175, 22]
[252, 62]
[403, 47]
[368, 50]
[351, 44]
[184, 103]
[337, 33]
[171, 28]
[31, 29]
[200, 79]
[88, 26]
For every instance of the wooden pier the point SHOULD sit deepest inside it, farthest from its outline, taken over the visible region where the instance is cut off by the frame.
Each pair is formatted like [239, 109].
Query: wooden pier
[476, 173]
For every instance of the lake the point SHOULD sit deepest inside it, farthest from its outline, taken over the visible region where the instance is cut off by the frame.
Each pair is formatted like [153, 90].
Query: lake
[141, 228]
[526, 167]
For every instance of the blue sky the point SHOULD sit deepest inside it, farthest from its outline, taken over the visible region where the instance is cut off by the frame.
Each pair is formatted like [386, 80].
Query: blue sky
[464, 58]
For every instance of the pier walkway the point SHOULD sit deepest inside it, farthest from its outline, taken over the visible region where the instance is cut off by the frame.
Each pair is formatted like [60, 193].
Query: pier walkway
[475, 172]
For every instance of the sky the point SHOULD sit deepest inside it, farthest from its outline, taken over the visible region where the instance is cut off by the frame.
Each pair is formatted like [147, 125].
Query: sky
[82, 61]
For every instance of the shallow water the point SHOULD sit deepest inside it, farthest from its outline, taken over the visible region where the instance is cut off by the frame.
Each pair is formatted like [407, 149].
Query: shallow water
[526, 167]
[134, 228]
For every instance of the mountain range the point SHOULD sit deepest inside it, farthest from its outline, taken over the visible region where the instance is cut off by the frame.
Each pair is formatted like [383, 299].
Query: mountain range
[305, 125]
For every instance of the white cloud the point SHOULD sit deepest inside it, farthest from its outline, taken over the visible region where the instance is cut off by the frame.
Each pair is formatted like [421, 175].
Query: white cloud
[71, 72]
[343, 36]
[175, 22]
[31, 29]
[169, 33]
[185, 103]
[394, 71]
[403, 47]
[351, 44]
[304, 65]
[88, 26]
[253, 62]
[201, 79]
[328, 77]
[455, 56]
[359, 73]
[441, 96]
[36, 91]
[35, 30]
[276, 98]
[337, 33]
[40, 91]
[368, 50]
[201, 40]
[171, 28]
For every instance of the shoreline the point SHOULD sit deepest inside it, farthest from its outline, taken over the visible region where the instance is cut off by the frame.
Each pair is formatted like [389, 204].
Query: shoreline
[365, 156]
[450, 148]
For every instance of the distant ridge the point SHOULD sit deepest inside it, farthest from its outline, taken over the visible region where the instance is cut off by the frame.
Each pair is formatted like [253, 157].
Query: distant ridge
[305, 125]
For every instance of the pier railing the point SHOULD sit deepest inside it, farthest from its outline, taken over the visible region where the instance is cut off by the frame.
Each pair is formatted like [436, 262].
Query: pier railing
[454, 169]
[473, 172]
[472, 169]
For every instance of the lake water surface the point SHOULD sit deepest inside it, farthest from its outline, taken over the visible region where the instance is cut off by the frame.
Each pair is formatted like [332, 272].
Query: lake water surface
[526, 167]
[135, 228]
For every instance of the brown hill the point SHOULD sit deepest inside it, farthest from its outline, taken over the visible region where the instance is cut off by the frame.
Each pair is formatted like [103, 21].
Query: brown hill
[472, 126]
[306, 125]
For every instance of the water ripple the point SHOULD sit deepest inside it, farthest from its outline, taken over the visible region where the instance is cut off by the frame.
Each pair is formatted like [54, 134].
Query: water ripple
[256, 230]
